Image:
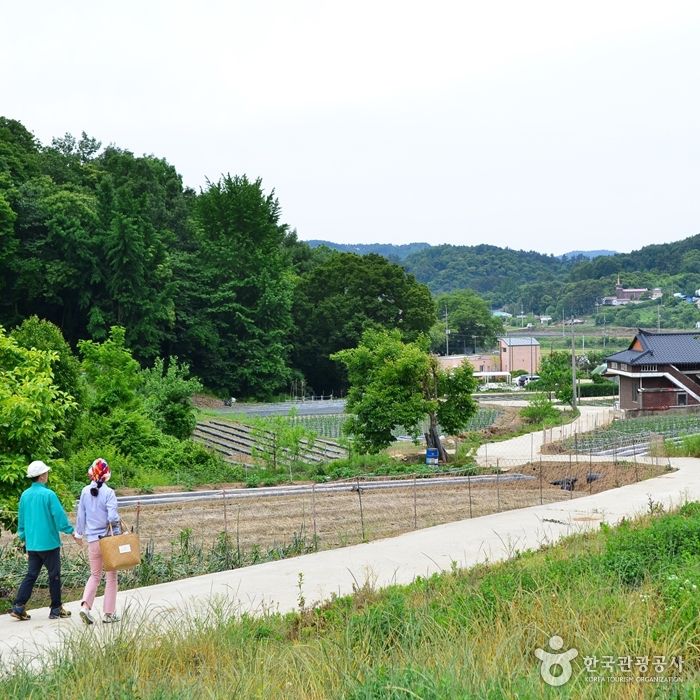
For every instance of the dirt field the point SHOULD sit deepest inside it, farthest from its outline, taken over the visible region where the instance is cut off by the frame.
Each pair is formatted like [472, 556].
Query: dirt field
[340, 519]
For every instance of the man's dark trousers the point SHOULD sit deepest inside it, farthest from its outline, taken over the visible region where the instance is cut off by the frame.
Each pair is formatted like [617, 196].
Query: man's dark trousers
[51, 559]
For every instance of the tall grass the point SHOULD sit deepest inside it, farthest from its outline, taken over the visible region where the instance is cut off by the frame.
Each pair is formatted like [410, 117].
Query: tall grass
[469, 633]
[187, 557]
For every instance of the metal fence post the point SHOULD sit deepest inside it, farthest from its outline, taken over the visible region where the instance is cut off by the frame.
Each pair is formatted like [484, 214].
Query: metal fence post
[415, 504]
[541, 500]
[362, 516]
[223, 495]
[571, 476]
[469, 485]
[498, 484]
[313, 512]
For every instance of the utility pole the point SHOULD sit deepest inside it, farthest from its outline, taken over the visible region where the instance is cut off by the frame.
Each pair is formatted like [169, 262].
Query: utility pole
[658, 318]
[447, 335]
[604, 331]
[573, 363]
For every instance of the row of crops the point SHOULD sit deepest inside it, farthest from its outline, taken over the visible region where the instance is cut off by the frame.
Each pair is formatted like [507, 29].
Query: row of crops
[632, 433]
[482, 419]
[331, 426]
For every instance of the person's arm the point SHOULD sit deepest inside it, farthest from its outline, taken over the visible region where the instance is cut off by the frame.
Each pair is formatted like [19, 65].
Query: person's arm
[59, 516]
[81, 520]
[20, 524]
[112, 514]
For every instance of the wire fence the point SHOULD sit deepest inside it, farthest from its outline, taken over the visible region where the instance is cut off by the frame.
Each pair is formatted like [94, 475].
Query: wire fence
[332, 425]
[602, 436]
[361, 510]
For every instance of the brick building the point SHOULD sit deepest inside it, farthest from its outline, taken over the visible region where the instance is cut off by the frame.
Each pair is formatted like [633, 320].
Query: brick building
[480, 363]
[519, 353]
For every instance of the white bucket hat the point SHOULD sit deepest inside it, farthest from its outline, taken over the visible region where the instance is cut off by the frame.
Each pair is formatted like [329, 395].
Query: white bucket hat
[37, 468]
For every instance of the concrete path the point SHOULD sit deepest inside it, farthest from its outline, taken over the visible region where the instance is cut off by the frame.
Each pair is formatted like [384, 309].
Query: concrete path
[275, 585]
[523, 449]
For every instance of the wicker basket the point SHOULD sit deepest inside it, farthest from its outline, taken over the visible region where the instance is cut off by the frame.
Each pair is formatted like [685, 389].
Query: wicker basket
[120, 551]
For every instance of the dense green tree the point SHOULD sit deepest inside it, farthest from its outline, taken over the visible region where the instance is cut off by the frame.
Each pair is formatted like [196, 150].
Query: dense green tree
[138, 277]
[338, 300]
[483, 268]
[111, 373]
[19, 153]
[556, 377]
[167, 395]
[8, 245]
[237, 316]
[36, 333]
[393, 384]
[32, 410]
[300, 256]
[470, 322]
[56, 269]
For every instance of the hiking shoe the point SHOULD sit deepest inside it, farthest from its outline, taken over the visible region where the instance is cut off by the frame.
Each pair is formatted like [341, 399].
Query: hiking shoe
[59, 613]
[86, 617]
[20, 613]
[110, 617]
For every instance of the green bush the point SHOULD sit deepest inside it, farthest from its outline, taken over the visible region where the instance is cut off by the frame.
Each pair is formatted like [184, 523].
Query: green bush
[540, 410]
[633, 553]
[123, 467]
[44, 335]
[605, 388]
[167, 397]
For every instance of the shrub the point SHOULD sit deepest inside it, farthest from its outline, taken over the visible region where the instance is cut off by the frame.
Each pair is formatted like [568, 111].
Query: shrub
[44, 335]
[604, 388]
[540, 410]
[633, 553]
[167, 397]
[32, 410]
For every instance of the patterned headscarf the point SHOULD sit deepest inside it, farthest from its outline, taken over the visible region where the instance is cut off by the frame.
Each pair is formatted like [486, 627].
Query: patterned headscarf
[99, 471]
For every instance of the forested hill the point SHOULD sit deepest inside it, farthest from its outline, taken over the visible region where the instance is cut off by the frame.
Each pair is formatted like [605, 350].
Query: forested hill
[111, 248]
[484, 268]
[388, 250]
[663, 258]
[488, 269]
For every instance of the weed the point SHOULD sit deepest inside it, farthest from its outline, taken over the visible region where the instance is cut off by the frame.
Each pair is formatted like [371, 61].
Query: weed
[461, 634]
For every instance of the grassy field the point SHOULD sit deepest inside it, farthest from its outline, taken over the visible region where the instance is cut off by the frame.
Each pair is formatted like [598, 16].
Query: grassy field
[619, 596]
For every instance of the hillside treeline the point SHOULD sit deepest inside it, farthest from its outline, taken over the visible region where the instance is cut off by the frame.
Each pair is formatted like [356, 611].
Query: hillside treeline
[93, 238]
[541, 284]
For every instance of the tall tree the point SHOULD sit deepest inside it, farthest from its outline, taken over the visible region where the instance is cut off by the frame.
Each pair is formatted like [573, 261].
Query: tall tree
[556, 377]
[237, 316]
[393, 384]
[347, 294]
[470, 322]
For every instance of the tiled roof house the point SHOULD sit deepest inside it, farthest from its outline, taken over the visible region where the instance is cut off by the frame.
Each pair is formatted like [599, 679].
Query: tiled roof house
[658, 371]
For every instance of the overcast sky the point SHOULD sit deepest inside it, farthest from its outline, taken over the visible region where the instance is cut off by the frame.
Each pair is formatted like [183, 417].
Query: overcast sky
[549, 126]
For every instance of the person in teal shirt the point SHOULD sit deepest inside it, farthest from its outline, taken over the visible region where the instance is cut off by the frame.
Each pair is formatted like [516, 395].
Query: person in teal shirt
[41, 518]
